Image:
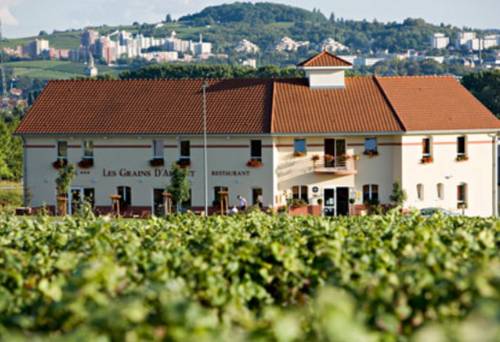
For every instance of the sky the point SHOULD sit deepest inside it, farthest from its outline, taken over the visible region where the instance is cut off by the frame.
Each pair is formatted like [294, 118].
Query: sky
[28, 17]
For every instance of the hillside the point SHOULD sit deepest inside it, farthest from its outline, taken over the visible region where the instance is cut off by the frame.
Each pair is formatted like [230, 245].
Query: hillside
[262, 12]
[266, 23]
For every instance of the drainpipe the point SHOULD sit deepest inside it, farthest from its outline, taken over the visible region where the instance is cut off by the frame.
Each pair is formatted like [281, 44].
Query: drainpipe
[495, 175]
[25, 173]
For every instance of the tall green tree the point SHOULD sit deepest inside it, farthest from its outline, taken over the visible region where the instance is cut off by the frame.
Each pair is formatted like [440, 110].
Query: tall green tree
[179, 186]
[485, 85]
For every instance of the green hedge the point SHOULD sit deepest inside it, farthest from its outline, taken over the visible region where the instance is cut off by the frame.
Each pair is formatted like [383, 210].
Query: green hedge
[245, 277]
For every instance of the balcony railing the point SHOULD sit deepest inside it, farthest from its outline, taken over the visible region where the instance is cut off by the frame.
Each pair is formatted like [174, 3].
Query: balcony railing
[339, 166]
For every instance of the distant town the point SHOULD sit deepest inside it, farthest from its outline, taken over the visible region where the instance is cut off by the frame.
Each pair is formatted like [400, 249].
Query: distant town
[125, 45]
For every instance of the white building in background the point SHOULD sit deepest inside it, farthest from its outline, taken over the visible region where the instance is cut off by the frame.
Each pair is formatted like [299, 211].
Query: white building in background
[440, 41]
[332, 45]
[287, 44]
[337, 143]
[246, 46]
[490, 41]
[250, 62]
[37, 48]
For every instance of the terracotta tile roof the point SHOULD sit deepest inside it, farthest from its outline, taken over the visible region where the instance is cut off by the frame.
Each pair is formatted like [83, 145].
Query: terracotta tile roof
[149, 107]
[252, 106]
[435, 103]
[325, 59]
[359, 107]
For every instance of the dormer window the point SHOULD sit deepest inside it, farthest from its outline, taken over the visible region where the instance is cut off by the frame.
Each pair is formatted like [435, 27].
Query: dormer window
[325, 70]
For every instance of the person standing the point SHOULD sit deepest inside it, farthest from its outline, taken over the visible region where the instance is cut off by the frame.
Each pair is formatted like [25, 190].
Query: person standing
[260, 202]
[242, 203]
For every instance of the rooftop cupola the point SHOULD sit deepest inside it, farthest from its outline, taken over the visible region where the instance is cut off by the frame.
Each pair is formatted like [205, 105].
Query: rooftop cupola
[325, 70]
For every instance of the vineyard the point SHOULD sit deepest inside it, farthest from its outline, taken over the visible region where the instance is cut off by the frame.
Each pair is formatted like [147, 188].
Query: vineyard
[254, 277]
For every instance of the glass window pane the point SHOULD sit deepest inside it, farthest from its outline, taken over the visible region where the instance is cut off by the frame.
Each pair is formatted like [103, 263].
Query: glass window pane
[304, 193]
[299, 146]
[158, 148]
[62, 149]
[426, 146]
[88, 149]
[295, 192]
[371, 144]
[461, 145]
[185, 149]
[256, 149]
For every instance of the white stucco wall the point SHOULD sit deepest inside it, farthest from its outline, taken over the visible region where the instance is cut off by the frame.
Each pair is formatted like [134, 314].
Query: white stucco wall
[115, 154]
[398, 160]
[477, 172]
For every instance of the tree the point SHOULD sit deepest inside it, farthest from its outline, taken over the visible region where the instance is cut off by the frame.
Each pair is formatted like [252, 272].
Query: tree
[485, 86]
[179, 186]
[64, 179]
[399, 195]
[168, 19]
[43, 34]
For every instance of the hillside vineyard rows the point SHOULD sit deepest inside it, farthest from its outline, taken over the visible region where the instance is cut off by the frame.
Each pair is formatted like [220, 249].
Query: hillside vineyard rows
[379, 278]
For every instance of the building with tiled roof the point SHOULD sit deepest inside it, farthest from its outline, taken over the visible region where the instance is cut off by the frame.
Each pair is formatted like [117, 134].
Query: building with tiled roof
[338, 143]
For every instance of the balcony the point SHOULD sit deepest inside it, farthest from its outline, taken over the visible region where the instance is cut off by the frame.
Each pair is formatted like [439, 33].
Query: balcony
[337, 166]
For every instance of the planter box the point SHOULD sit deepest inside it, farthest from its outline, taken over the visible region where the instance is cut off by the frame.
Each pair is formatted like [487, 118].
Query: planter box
[314, 210]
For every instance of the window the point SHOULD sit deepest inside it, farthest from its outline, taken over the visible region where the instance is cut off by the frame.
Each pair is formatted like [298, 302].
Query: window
[462, 196]
[217, 191]
[257, 196]
[256, 150]
[461, 147]
[420, 192]
[62, 150]
[88, 149]
[126, 197]
[370, 193]
[300, 193]
[371, 145]
[426, 147]
[185, 149]
[158, 148]
[299, 146]
[440, 191]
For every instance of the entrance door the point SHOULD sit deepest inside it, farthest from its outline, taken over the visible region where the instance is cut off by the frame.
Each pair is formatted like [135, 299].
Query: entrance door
[342, 201]
[158, 202]
[74, 200]
[329, 200]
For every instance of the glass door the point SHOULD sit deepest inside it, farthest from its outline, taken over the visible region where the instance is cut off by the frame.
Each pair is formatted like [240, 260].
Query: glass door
[340, 151]
[329, 200]
[75, 200]
[158, 202]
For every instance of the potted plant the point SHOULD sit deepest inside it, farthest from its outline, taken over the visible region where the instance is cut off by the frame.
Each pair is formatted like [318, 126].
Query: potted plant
[86, 163]
[157, 162]
[371, 153]
[183, 163]
[427, 160]
[254, 163]
[63, 185]
[462, 157]
[315, 159]
[59, 164]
